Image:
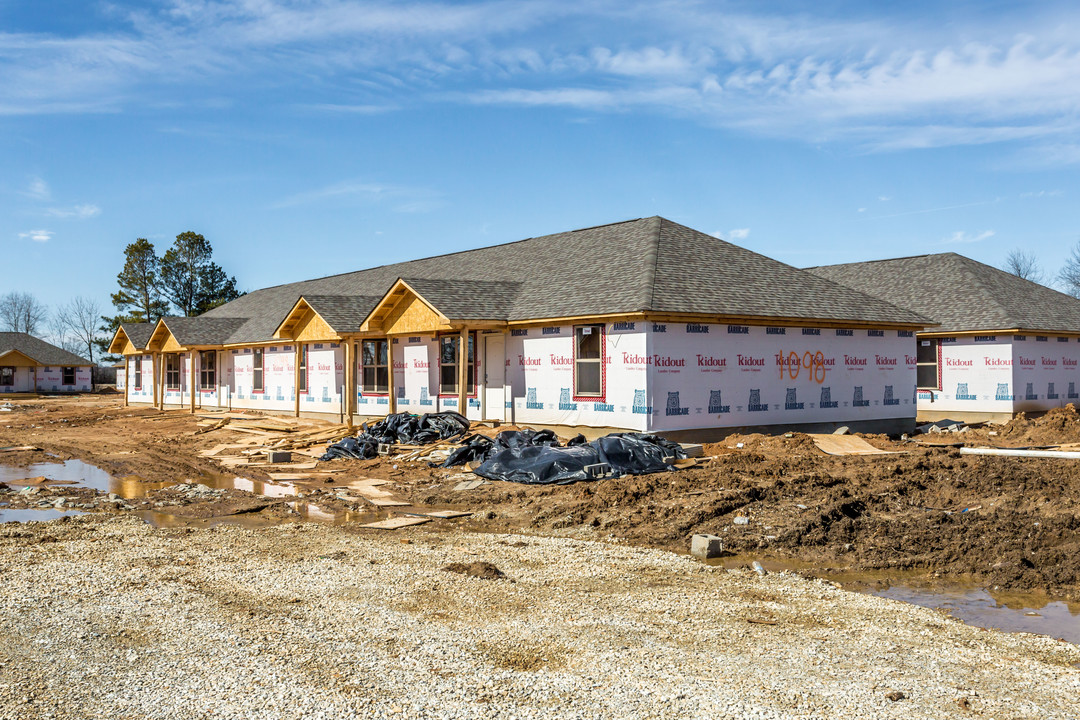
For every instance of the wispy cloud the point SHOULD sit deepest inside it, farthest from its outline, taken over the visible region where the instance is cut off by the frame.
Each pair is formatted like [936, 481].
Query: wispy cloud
[37, 189]
[897, 83]
[398, 198]
[961, 236]
[37, 235]
[739, 233]
[81, 212]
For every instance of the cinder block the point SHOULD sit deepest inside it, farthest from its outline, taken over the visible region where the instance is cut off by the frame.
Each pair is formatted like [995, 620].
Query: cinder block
[706, 546]
[383, 449]
[597, 470]
[692, 449]
[278, 456]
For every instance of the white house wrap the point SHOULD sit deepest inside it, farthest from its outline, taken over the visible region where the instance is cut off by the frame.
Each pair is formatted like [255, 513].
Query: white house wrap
[1003, 344]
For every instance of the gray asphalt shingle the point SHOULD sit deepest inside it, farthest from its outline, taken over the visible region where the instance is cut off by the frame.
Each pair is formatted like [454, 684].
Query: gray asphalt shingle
[39, 350]
[960, 293]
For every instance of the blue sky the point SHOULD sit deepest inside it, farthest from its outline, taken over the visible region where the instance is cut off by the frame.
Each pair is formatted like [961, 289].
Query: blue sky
[309, 137]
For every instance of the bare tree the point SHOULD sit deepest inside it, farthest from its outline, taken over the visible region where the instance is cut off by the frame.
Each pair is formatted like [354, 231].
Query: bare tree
[78, 320]
[1069, 275]
[1024, 265]
[21, 312]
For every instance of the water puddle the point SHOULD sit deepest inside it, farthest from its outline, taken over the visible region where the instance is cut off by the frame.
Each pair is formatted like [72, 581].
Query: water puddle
[968, 602]
[73, 472]
[21, 516]
[1014, 613]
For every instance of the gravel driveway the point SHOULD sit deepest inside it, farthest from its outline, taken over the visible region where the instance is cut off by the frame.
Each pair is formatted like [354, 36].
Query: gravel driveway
[110, 618]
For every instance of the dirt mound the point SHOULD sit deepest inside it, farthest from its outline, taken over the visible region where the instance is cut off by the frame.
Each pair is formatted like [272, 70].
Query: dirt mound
[480, 569]
[1058, 426]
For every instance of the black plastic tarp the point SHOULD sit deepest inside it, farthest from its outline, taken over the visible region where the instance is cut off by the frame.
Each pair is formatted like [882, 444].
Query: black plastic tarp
[399, 428]
[625, 453]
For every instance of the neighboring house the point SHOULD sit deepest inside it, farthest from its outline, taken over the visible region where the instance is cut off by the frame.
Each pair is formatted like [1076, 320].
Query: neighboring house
[1003, 345]
[29, 364]
[121, 374]
[645, 325]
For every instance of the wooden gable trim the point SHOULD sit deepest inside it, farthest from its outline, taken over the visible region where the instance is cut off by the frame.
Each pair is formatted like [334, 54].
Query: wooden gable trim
[163, 340]
[122, 347]
[304, 323]
[402, 310]
[6, 359]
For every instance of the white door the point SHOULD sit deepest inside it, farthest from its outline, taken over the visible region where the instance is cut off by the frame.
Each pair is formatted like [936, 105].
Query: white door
[494, 377]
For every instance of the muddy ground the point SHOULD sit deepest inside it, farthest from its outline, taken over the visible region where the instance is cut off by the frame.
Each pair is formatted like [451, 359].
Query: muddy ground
[1009, 523]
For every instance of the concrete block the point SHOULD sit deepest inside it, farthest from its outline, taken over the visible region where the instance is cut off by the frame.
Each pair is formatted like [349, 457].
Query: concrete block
[741, 520]
[383, 449]
[598, 470]
[693, 449]
[278, 456]
[706, 546]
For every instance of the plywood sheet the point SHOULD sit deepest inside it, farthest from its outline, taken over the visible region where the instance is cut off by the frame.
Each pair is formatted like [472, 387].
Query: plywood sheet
[847, 445]
[398, 522]
[444, 514]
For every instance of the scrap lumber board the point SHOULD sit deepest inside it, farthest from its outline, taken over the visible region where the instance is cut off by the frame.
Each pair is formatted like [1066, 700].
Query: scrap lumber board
[395, 523]
[18, 448]
[443, 514]
[847, 445]
[221, 448]
[386, 502]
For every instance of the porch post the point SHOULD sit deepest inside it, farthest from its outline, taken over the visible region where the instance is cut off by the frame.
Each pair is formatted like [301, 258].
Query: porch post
[391, 388]
[127, 381]
[155, 387]
[296, 377]
[350, 379]
[191, 385]
[463, 371]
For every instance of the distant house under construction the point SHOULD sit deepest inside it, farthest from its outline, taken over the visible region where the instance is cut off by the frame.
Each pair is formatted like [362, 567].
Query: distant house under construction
[1003, 344]
[643, 325]
[29, 365]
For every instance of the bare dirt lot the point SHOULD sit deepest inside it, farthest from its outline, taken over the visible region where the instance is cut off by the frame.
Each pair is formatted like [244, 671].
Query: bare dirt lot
[1010, 523]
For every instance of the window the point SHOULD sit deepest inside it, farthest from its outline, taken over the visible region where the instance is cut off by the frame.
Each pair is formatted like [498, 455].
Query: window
[7, 376]
[257, 370]
[68, 376]
[588, 360]
[374, 373]
[207, 369]
[303, 368]
[172, 372]
[138, 372]
[448, 363]
[926, 358]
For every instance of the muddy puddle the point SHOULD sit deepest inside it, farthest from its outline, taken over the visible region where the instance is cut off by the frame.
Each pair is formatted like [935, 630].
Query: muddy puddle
[972, 604]
[68, 472]
[34, 515]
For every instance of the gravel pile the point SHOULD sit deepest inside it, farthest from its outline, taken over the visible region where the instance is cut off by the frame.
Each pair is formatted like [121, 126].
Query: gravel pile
[111, 618]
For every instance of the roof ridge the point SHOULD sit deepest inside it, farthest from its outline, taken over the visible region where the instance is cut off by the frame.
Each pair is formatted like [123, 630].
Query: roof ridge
[964, 263]
[651, 259]
[442, 255]
[879, 260]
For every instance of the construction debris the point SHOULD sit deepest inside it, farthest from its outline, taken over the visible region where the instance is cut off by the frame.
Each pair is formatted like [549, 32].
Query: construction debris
[403, 431]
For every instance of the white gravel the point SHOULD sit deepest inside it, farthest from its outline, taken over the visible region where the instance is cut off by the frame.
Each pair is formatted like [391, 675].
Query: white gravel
[111, 618]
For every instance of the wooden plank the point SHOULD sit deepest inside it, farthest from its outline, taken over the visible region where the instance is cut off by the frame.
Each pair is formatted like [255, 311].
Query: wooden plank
[386, 502]
[395, 523]
[18, 448]
[443, 514]
[847, 445]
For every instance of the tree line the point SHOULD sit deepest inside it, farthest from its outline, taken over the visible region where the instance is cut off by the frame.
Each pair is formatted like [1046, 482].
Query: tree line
[184, 280]
[1026, 265]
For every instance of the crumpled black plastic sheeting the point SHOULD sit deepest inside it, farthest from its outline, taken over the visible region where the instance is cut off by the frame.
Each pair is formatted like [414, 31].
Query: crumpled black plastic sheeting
[480, 447]
[625, 453]
[399, 428]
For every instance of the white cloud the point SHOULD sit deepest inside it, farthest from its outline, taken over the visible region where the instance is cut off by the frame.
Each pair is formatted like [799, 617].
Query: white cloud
[960, 236]
[37, 235]
[862, 210]
[38, 189]
[739, 233]
[884, 198]
[81, 212]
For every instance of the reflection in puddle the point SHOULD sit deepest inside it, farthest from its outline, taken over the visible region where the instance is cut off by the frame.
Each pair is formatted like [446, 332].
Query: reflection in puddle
[968, 602]
[978, 607]
[21, 516]
[69, 471]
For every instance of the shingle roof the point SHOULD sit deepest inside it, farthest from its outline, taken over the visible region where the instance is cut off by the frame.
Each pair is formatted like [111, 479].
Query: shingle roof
[138, 333]
[960, 293]
[646, 265]
[344, 313]
[468, 299]
[37, 349]
[203, 330]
